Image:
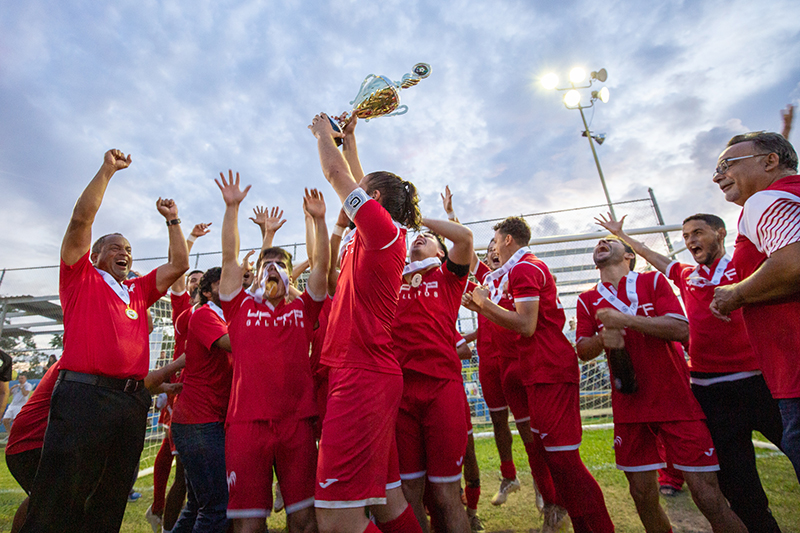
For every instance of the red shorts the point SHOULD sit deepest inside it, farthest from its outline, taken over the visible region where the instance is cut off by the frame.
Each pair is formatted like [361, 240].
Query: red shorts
[321, 393]
[687, 445]
[556, 415]
[357, 454]
[514, 390]
[491, 378]
[251, 450]
[431, 429]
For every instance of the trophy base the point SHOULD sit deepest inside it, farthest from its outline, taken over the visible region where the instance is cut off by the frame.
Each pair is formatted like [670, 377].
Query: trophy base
[336, 128]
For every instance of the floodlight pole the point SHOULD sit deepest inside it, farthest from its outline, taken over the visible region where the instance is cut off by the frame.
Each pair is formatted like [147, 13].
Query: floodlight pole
[597, 162]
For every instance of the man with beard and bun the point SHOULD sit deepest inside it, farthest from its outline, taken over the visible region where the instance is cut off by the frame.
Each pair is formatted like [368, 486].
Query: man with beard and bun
[725, 376]
[431, 427]
[198, 416]
[638, 312]
[356, 465]
[548, 367]
[272, 407]
[758, 171]
[98, 410]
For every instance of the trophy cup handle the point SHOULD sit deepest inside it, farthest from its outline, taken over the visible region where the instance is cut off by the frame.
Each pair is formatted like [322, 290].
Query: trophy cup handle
[402, 110]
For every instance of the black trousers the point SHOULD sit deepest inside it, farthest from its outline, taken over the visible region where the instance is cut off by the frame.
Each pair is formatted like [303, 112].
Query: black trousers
[734, 409]
[91, 451]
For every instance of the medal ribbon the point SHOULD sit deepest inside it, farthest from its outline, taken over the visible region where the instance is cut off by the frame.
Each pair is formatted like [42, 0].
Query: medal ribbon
[496, 279]
[630, 290]
[696, 279]
[120, 289]
[416, 266]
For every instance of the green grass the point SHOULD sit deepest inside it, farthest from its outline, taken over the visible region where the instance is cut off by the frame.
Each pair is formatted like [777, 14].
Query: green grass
[519, 513]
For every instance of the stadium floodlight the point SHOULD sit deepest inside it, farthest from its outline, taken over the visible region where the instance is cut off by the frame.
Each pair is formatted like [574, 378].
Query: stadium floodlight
[549, 81]
[572, 98]
[577, 75]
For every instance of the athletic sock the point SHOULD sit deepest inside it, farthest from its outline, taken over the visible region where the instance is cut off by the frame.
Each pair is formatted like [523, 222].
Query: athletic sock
[473, 495]
[508, 470]
[161, 468]
[405, 523]
[540, 470]
[579, 491]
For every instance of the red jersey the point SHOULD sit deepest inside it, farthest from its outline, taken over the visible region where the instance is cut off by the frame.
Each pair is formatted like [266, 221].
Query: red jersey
[714, 345]
[484, 342]
[103, 334]
[180, 303]
[318, 338]
[770, 221]
[27, 432]
[366, 294]
[271, 368]
[661, 371]
[207, 375]
[424, 325]
[503, 340]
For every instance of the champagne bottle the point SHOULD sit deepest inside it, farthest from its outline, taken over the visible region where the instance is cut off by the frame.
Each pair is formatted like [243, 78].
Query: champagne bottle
[619, 361]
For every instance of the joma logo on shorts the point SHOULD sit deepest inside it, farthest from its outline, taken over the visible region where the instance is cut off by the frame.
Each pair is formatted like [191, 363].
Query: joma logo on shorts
[617, 441]
[328, 482]
[231, 479]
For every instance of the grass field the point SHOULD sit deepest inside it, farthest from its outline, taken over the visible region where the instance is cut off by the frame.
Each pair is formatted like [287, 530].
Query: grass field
[519, 514]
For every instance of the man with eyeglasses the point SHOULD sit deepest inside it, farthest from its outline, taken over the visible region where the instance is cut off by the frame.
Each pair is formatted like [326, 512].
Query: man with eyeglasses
[758, 171]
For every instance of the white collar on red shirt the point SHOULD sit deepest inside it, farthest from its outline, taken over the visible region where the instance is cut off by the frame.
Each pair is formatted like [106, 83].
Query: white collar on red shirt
[217, 309]
[416, 266]
[697, 279]
[121, 290]
[630, 290]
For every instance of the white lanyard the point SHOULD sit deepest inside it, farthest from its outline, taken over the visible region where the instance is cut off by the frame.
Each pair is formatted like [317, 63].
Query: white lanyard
[499, 278]
[699, 281]
[120, 289]
[416, 266]
[258, 294]
[630, 290]
[217, 309]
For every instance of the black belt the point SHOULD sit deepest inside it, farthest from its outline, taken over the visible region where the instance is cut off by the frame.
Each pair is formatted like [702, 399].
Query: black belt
[124, 385]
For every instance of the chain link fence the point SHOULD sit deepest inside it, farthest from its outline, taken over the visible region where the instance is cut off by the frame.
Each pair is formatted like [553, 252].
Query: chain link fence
[35, 319]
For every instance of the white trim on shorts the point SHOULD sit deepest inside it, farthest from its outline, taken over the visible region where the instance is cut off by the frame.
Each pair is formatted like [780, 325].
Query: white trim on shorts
[394, 485]
[412, 475]
[710, 468]
[348, 504]
[469, 432]
[562, 448]
[299, 506]
[521, 420]
[248, 513]
[643, 468]
[445, 479]
[495, 409]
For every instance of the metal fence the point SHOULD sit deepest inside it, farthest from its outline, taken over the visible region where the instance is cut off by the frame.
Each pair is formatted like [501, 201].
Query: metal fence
[33, 319]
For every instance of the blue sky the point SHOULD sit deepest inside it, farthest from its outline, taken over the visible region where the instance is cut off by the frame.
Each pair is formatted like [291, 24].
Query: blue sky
[194, 88]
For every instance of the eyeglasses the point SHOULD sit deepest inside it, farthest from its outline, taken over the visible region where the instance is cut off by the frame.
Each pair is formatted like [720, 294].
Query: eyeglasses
[725, 164]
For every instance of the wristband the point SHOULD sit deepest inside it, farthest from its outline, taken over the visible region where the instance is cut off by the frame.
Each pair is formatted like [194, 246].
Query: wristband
[191, 238]
[173, 222]
[451, 215]
[338, 230]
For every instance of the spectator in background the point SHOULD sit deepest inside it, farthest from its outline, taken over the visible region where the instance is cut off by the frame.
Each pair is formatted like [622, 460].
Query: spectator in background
[5, 377]
[50, 362]
[19, 395]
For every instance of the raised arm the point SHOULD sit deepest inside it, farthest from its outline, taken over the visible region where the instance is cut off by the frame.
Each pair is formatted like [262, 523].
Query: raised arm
[314, 205]
[660, 262]
[310, 235]
[350, 150]
[336, 241]
[178, 262]
[787, 115]
[197, 231]
[231, 277]
[461, 237]
[270, 221]
[78, 238]
[334, 166]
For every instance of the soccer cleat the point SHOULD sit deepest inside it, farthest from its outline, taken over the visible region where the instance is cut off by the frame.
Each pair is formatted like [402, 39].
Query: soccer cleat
[539, 499]
[507, 486]
[278, 506]
[554, 518]
[133, 496]
[475, 523]
[153, 519]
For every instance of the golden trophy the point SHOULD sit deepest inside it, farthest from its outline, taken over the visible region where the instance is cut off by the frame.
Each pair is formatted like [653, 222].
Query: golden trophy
[379, 96]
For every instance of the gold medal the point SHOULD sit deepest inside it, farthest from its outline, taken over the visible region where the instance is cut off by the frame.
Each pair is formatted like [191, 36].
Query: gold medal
[133, 315]
[416, 280]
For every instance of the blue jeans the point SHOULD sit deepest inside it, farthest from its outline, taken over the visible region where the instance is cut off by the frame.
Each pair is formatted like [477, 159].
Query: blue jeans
[790, 412]
[202, 451]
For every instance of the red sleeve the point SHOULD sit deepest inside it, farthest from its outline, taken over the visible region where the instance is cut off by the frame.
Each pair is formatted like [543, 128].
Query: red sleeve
[481, 271]
[180, 304]
[206, 326]
[526, 281]
[470, 286]
[587, 325]
[231, 307]
[375, 226]
[664, 300]
[69, 276]
[675, 272]
[312, 308]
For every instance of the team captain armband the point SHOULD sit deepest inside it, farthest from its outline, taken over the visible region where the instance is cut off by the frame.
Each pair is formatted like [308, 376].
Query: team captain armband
[354, 201]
